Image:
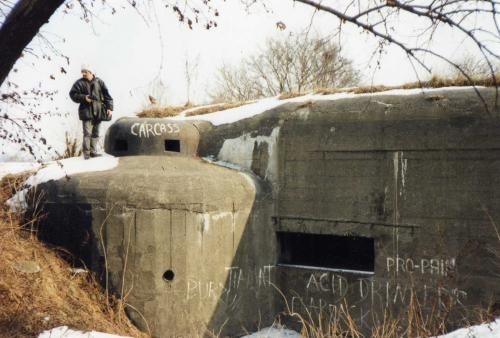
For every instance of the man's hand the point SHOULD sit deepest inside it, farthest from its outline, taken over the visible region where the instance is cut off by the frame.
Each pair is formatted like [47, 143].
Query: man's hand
[109, 112]
[88, 99]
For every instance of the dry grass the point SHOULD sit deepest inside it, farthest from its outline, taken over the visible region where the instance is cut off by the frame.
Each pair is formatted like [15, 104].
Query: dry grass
[411, 321]
[216, 107]
[168, 111]
[72, 147]
[31, 302]
[434, 82]
[291, 95]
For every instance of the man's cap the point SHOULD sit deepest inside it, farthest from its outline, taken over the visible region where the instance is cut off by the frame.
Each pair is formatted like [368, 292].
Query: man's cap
[87, 67]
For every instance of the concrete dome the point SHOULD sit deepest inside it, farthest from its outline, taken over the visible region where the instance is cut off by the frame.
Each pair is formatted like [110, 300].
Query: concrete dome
[166, 233]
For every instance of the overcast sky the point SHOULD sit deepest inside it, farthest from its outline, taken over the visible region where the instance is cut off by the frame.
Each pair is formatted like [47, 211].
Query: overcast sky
[133, 50]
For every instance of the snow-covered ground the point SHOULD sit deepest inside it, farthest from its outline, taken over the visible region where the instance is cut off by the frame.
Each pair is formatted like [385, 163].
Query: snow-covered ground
[66, 332]
[55, 170]
[275, 331]
[487, 330]
[17, 167]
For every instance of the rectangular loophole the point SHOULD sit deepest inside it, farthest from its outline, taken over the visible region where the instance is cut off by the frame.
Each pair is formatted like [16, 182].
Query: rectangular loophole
[120, 145]
[173, 145]
[326, 251]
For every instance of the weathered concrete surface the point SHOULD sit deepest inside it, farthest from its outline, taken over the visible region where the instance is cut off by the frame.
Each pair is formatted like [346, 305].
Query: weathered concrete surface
[153, 136]
[170, 232]
[416, 175]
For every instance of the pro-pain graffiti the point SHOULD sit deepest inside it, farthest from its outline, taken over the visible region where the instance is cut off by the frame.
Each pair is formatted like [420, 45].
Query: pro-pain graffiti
[423, 266]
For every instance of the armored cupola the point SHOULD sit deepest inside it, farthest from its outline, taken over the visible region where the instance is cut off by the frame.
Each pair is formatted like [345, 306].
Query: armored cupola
[152, 136]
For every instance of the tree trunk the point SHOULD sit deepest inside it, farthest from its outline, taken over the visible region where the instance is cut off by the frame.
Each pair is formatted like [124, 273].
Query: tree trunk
[20, 27]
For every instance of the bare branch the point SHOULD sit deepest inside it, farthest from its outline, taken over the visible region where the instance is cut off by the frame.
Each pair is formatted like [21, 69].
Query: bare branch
[460, 15]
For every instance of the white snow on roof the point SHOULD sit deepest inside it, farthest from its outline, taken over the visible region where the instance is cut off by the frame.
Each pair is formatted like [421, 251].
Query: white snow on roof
[235, 114]
[275, 331]
[55, 170]
[487, 330]
[258, 107]
[66, 332]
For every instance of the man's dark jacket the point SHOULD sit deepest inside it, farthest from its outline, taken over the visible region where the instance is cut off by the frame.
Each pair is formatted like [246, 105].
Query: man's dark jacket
[98, 92]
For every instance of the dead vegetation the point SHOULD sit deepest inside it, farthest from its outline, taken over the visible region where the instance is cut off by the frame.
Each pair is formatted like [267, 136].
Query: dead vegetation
[290, 95]
[434, 82]
[414, 321]
[72, 147]
[166, 111]
[169, 111]
[39, 290]
[216, 107]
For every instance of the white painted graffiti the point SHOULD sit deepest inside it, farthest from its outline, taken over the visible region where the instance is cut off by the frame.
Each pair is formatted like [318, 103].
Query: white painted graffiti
[432, 266]
[237, 280]
[153, 129]
[259, 278]
[362, 290]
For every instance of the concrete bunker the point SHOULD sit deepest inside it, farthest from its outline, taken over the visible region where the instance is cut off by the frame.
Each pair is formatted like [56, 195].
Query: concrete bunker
[133, 136]
[154, 227]
[372, 201]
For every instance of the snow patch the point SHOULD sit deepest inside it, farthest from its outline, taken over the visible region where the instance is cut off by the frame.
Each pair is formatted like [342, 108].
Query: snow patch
[66, 332]
[56, 170]
[275, 331]
[211, 159]
[239, 151]
[259, 107]
[235, 114]
[487, 330]
[17, 167]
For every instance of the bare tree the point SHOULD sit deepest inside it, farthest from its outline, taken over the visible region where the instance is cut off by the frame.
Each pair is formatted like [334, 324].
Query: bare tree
[157, 94]
[20, 26]
[297, 64]
[20, 22]
[477, 68]
[234, 84]
[373, 16]
[477, 21]
[191, 73]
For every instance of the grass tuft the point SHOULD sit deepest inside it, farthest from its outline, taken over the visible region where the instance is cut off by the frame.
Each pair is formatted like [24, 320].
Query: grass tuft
[435, 81]
[216, 108]
[72, 147]
[50, 293]
[290, 95]
[170, 111]
[167, 111]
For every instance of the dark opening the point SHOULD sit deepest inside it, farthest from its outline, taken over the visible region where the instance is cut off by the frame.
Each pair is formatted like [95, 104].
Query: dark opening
[173, 145]
[168, 275]
[326, 251]
[120, 145]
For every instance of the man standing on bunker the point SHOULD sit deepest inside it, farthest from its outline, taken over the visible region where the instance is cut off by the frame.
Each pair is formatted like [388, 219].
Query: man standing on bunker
[96, 105]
